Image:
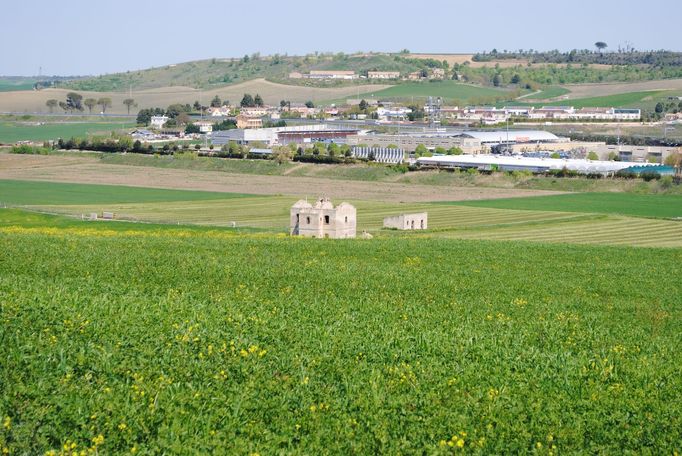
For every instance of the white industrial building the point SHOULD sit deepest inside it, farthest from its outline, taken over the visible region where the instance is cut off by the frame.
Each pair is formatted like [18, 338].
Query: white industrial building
[535, 165]
[380, 154]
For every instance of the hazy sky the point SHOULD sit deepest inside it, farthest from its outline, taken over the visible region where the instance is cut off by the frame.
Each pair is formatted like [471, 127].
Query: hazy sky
[70, 37]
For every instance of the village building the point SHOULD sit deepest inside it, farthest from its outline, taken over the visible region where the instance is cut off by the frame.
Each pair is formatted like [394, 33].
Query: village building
[323, 220]
[407, 221]
[249, 122]
[158, 121]
[383, 74]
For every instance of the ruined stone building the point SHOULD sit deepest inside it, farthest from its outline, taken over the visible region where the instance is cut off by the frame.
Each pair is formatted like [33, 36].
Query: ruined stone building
[323, 220]
[407, 221]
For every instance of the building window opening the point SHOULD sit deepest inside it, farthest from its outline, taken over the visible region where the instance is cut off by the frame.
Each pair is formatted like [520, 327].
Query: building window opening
[326, 219]
[422, 224]
[307, 220]
[346, 219]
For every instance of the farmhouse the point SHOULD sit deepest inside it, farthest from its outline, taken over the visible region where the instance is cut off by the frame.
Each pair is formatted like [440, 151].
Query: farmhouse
[383, 74]
[407, 221]
[323, 220]
[158, 121]
[249, 122]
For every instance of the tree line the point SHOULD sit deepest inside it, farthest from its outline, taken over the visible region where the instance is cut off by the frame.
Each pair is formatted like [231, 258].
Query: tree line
[75, 103]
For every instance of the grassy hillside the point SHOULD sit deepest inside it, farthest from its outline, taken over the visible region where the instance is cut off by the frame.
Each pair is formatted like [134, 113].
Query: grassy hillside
[206, 74]
[449, 90]
[156, 341]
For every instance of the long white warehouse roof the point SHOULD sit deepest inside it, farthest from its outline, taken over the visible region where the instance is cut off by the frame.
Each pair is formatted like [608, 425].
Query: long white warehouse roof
[517, 136]
[527, 163]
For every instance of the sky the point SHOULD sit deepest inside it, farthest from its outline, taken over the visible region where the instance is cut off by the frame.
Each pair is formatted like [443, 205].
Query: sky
[91, 37]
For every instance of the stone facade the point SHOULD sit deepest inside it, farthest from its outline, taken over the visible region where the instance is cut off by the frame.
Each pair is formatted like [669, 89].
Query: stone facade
[407, 221]
[323, 220]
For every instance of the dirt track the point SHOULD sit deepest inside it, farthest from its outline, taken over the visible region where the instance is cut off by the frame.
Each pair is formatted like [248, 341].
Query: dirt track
[91, 170]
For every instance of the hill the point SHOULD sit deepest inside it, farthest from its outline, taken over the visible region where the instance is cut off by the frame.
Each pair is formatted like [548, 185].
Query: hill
[271, 92]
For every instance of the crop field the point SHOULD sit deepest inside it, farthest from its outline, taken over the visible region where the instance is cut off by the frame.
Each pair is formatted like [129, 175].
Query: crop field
[11, 132]
[151, 339]
[448, 90]
[610, 219]
[547, 93]
[9, 85]
[660, 206]
[628, 99]
[19, 192]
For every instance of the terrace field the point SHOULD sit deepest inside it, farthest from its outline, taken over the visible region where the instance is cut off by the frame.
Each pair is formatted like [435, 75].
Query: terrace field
[122, 338]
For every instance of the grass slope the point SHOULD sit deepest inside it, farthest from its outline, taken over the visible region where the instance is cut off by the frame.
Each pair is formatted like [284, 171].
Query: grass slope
[11, 132]
[661, 206]
[162, 343]
[448, 90]
[47, 193]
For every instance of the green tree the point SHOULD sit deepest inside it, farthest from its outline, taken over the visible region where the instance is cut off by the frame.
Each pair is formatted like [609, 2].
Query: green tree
[216, 102]
[129, 102]
[363, 105]
[90, 103]
[247, 101]
[440, 150]
[74, 102]
[420, 151]
[51, 104]
[104, 102]
[592, 156]
[258, 101]
[455, 151]
[497, 80]
[659, 108]
[600, 45]
[309, 104]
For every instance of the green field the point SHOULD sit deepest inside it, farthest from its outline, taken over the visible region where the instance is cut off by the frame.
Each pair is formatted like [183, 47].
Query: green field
[593, 218]
[549, 92]
[621, 100]
[47, 193]
[448, 90]
[11, 132]
[661, 206]
[176, 341]
[10, 85]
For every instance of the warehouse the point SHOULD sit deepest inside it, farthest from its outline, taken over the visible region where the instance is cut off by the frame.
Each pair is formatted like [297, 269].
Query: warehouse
[534, 165]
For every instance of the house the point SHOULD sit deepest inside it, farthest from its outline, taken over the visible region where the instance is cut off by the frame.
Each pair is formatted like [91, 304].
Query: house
[323, 220]
[437, 73]
[222, 111]
[393, 114]
[332, 74]
[254, 111]
[295, 75]
[407, 221]
[158, 121]
[249, 122]
[204, 126]
[414, 76]
[383, 74]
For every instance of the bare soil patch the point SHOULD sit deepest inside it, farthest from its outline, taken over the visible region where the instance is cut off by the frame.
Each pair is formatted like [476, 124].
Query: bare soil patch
[91, 171]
